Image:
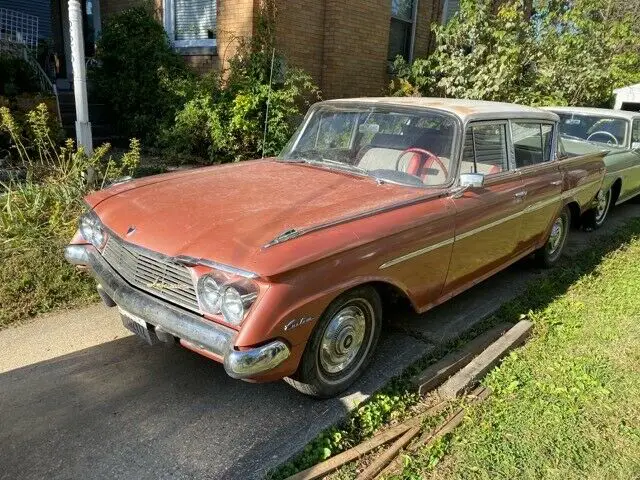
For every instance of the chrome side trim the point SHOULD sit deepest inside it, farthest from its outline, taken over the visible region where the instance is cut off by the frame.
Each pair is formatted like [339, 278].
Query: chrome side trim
[531, 208]
[422, 251]
[489, 225]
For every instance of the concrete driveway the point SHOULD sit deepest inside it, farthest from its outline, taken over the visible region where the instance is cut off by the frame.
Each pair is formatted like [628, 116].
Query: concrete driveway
[81, 398]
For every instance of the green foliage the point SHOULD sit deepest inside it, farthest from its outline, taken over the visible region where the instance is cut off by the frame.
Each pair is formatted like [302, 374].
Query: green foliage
[571, 53]
[137, 74]
[38, 213]
[16, 76]
[224, 120]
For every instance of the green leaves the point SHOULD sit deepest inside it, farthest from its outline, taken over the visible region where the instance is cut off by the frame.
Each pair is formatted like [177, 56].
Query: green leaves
[565, 53]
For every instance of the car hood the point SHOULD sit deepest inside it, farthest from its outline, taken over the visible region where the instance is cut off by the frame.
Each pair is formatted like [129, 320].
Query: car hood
[228, 213]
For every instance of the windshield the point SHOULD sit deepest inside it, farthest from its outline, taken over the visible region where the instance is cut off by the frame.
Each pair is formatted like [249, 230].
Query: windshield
[409, 147]
[595, 128]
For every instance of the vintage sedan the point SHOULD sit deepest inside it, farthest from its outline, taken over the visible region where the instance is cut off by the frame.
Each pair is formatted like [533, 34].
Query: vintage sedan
[619, 132]
[283, 267]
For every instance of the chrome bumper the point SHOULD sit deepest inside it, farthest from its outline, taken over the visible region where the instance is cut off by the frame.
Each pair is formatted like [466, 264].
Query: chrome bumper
[204, 334]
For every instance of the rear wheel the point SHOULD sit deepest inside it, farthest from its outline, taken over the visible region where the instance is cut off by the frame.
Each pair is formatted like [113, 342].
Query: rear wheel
[342, 344]
[595, 217]
[550, 253]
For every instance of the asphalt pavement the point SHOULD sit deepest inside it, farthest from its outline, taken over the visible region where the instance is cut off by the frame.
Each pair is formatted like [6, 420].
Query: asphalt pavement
[81, 398]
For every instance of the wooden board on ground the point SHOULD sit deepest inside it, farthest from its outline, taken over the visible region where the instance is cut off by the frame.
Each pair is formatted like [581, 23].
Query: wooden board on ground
[471, 374]
[435, 374]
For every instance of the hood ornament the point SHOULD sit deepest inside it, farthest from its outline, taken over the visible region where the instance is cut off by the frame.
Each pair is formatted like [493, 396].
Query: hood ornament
[131, 230]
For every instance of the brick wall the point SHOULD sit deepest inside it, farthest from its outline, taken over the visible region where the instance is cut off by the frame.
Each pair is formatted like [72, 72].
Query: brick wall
[236, 20]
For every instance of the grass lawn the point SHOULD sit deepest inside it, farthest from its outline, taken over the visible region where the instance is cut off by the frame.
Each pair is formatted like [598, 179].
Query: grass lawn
[567, 405]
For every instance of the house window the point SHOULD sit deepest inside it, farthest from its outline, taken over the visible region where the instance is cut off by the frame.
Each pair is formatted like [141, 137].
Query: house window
[402, 29]
[449, 9]
[191, 23]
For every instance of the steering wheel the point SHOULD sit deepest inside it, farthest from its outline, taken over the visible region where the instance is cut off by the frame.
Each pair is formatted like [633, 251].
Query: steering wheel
[426, 153]
[606, 134]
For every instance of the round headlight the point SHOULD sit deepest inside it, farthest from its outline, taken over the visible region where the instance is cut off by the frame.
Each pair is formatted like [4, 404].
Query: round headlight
[232, 306]
[210, 294]
[92, 230]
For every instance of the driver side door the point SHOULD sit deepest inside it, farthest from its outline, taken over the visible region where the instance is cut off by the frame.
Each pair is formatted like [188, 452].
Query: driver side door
[488, 219]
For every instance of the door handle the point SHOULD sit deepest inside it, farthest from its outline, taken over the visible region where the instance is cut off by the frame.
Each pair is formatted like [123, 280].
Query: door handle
[557, 182]
[520, 194]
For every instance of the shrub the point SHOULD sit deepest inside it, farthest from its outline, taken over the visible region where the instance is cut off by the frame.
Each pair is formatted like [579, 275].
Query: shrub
[16, 76]
[224, 120]
[38, 214]
[137, 74]
[566, 53]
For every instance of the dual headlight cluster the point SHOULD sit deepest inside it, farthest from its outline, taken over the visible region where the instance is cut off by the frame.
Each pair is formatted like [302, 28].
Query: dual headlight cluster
[231, 301]
[92, 230]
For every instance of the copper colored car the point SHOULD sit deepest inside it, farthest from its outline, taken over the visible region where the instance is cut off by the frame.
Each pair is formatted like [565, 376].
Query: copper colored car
[283, 267]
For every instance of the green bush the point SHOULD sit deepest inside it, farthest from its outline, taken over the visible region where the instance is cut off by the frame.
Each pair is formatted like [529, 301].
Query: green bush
[39, 212]
[16, 76]
[137, 74]
[565, 53]
[224, 120]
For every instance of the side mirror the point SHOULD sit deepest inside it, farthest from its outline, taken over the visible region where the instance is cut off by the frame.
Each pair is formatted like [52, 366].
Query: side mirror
[472, 180]
[467, 181]
[635, 145]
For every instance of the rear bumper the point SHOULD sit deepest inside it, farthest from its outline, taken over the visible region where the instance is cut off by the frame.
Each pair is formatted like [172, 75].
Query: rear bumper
[216, 340]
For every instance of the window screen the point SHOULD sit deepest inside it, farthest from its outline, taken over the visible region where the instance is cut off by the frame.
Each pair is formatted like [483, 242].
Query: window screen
[485, 149]
[400, 29]
[194, 19]
[449, 9]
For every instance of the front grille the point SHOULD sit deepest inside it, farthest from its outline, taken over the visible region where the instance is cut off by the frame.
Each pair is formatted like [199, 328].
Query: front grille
[152, 272]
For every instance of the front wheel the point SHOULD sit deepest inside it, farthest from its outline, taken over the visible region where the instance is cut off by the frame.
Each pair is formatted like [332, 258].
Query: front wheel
[595, 217]
[341, 345]
[550, 253]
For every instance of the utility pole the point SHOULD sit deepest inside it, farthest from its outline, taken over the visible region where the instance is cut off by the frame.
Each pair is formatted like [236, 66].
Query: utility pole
[83, 126]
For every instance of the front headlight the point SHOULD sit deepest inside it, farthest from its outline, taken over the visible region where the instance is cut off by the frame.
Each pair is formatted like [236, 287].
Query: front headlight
[232, 306]
[92, 230]
[220, 294]
[210, 294]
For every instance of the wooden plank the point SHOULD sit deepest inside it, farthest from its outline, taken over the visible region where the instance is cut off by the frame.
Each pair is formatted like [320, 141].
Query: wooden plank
[428, 437]
[328, 466]
[471, 374]
[381, 461]
[434, 375]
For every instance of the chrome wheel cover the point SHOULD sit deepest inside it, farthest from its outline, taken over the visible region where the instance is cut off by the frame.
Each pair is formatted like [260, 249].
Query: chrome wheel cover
[344, 336]
[558, 231]
[602, 206]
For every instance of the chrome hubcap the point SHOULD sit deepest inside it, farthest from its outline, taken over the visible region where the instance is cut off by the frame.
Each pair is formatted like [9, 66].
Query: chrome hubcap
[342, 339]
[557, 231]
[602, 206]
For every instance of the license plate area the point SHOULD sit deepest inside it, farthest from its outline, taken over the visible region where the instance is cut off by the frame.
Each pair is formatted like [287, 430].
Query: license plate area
[138, 326]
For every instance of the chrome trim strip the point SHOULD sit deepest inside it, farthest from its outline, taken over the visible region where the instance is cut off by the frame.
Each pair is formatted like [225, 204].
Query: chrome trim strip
[531, 208]
[192, 261]
[416, 253]
[489, 225]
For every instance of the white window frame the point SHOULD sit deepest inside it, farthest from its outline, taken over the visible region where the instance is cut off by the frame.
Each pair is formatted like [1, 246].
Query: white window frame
[168, 22]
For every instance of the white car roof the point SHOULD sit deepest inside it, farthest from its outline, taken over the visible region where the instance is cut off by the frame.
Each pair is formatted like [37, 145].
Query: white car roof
[466, 110]
[603, 112]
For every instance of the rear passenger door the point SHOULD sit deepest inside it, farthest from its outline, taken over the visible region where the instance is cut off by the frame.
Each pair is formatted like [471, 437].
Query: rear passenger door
[487, 219]
[541, 178]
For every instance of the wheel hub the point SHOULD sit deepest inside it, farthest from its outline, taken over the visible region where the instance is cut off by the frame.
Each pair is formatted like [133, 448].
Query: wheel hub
[557, 231]
[342, 339]
[601, 207]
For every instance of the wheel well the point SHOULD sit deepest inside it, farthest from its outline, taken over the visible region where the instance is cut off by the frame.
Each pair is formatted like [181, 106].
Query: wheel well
[616, 188]
[391, 296]
[574, 208]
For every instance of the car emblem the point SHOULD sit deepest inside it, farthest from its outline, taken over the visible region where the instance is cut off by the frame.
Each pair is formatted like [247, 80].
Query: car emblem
[131, 230]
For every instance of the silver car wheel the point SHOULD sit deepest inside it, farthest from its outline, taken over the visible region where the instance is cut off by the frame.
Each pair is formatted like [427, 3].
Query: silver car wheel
[602, 206]
[343, 338]
[556, 238]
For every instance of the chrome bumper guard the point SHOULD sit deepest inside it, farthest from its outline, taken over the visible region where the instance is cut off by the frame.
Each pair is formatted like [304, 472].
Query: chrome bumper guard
[204, 334]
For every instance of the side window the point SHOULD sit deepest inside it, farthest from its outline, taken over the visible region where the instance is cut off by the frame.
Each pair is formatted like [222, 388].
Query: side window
[531, 143]
[635, 132]
[485, 149]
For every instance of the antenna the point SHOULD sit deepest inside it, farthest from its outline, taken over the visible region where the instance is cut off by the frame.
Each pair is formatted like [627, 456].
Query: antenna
[266, 116]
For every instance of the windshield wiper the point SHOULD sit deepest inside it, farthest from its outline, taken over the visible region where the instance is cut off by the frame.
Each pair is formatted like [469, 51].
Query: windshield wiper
[331, 164]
